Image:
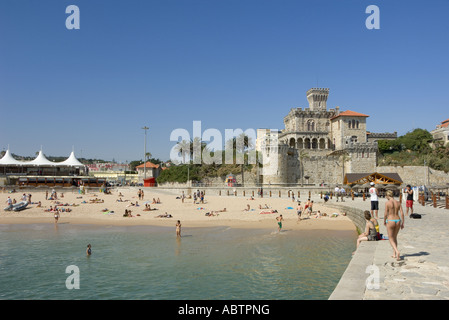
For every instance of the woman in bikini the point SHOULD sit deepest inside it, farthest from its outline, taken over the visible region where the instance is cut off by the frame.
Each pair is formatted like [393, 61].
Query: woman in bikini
[393, 222]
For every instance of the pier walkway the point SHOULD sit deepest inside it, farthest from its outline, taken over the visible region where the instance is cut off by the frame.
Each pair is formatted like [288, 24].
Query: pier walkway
[423, 272]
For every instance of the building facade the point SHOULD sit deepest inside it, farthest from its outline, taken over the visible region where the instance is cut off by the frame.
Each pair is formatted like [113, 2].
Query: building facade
[317, 146]
[441, 133]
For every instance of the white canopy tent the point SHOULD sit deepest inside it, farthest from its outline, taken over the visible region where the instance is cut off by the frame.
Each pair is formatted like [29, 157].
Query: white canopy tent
[40, 160]
[8, 160]
[71, 161]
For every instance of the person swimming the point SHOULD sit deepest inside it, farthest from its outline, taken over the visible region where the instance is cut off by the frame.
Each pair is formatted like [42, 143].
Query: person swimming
[89, 250]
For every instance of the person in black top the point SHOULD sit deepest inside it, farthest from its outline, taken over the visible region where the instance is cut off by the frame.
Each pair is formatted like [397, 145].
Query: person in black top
[409, 200]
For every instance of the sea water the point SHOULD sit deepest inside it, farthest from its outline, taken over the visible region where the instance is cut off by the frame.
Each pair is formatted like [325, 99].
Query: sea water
[147, 262]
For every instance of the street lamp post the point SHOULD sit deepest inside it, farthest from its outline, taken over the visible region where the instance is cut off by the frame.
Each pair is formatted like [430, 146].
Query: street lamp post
[145, 154]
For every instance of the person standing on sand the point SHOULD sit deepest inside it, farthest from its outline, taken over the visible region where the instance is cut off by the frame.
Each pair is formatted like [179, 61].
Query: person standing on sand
[56, 216]
[374, 201]
[279, 220]
[178, 228]
[393, 222]
[299, 210]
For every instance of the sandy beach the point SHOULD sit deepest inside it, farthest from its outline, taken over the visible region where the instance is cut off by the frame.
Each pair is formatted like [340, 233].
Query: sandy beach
[95, 207]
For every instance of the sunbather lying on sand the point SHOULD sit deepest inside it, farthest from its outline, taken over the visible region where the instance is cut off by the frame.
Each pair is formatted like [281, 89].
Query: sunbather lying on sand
[166, 215]
[268, 211]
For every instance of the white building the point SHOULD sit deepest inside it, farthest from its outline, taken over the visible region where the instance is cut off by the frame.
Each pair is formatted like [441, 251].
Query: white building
[441, 133]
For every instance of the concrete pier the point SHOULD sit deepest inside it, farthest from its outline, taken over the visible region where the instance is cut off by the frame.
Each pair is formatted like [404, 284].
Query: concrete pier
[422, 273]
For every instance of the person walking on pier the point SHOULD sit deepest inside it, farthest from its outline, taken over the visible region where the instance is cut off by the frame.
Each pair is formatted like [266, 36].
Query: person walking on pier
[393, 222]
[374, 201]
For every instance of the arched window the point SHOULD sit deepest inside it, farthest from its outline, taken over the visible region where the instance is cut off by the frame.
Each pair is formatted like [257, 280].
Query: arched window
[322, 144]
[292, 142]
[307, 143]
[310, 125]
[357, 124]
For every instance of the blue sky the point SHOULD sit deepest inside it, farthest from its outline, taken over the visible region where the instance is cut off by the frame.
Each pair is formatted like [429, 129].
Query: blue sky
[227, 63]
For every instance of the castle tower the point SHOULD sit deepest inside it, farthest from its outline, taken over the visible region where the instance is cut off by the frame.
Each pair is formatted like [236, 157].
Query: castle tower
[317, 98]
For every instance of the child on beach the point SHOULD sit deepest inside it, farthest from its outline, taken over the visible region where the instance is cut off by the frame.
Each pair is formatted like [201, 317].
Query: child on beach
[279, 220]
[299, 210]
[56, 216]
[178, 228]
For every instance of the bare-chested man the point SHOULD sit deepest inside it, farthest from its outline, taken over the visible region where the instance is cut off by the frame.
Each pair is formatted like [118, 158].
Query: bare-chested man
[393, 222]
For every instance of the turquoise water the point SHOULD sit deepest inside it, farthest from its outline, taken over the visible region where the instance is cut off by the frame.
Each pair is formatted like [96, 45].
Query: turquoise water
[143, 262]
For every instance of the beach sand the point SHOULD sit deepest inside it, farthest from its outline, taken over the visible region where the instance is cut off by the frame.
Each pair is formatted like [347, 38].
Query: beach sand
[189, 213]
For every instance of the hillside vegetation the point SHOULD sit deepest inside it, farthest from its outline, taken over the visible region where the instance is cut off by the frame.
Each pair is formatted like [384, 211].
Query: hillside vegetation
[416, 148]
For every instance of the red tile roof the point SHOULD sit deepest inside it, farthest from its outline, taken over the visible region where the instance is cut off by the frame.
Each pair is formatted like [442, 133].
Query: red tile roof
[349, 113]
[445, 123]
[148, 165]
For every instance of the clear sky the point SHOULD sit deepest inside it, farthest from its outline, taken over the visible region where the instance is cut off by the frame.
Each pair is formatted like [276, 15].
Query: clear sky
[227, 63]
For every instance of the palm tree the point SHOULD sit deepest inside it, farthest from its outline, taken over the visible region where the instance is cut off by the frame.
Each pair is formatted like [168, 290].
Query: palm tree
[241, 145]
[344, 158]
[184, 147]
[194, 152]
[302, 155]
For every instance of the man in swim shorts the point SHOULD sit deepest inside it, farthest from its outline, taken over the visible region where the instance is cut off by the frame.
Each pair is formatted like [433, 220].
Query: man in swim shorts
[409, 200]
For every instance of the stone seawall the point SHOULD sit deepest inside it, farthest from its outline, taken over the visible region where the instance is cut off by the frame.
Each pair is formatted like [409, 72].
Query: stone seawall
[355, 214]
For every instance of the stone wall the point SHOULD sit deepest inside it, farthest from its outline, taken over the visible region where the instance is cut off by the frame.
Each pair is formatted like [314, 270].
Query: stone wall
[417, 175]
[356, 215]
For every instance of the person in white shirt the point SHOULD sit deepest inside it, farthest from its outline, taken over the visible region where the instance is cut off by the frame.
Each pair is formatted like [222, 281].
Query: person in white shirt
[342, 194]
[337, 192]
[374, 201]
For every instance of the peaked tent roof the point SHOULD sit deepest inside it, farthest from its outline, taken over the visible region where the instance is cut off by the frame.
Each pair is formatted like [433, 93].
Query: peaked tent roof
[8, 159]
[40, 160]
[71, 161]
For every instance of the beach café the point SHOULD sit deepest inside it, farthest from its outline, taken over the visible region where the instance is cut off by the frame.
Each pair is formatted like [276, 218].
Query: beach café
[383, 181]
[43, 172]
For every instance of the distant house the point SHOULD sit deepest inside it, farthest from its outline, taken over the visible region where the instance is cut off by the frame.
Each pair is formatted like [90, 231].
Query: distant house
[152, 170]
[441, 133]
